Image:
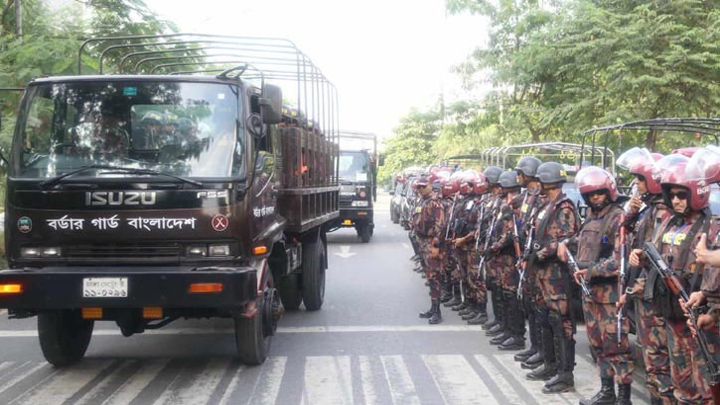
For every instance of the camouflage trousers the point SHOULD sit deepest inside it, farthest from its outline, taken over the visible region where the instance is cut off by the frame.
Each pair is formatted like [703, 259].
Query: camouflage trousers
[614, 358]
[652, 335]
[432, 267]
[687, 368]
[508, 276]
[476, 291]
[556, 299]
[456, 275]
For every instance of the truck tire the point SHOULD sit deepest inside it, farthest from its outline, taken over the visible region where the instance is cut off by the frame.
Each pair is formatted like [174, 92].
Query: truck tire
[253, 335]
[394, 216]
[313, 278]
[365, 232]
[64, 336]
[290, 291]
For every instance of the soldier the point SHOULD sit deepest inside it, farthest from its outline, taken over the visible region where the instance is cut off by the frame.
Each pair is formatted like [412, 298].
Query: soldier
[451, 291]
[643, 222]
[492, 204]
[526, 170]
[473, 257]
[557, 221]
[428, 227]
[506, 249]
[463, 233]
[676, 241]
[451, 267]
[598, 265]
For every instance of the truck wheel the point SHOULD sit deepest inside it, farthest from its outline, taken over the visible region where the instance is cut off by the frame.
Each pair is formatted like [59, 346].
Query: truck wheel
[313, 290]
[395, 216]
[290, 291]
[64, 336]
[253, 335]
[366, 232]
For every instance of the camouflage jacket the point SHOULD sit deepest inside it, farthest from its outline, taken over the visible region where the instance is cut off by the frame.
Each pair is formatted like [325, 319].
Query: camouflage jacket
[556, 221]
[430, 216]
[641, 227]
[503, 234]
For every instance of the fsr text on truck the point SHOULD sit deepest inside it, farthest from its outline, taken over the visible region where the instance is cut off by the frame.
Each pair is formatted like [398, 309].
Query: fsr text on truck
[174, 187]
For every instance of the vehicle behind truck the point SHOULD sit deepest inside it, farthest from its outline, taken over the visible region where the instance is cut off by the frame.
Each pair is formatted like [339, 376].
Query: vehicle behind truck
[172, 186]
[357, 172]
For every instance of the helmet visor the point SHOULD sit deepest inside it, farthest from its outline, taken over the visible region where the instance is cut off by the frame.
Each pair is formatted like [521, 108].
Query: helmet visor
[704, 165]
[667, 163]
[634, 157]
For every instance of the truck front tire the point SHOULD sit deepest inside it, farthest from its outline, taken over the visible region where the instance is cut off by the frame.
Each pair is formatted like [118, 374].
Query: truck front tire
[64, 336]
[290, 291]
[252, 335]
[313, 282]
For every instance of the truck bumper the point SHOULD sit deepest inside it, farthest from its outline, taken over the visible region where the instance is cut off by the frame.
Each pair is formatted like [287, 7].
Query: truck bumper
[349, 216]
[168, 287]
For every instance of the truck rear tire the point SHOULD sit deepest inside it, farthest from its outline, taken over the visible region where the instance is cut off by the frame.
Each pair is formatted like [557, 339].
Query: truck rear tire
[313, 278]
[252, 335]
[365, 232]
[64, 336]
[290, 291]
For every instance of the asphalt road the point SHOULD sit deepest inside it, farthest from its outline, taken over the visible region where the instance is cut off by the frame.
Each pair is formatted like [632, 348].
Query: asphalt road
[366, 345]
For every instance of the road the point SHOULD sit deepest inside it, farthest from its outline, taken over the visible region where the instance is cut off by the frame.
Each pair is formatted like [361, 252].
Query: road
[366, 345]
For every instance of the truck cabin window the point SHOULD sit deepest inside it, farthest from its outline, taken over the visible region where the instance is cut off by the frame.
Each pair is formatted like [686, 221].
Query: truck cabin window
[186, 129]
[354, 166]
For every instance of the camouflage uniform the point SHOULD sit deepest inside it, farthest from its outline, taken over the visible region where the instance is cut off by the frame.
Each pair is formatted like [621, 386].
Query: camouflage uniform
[556, 221]
[676, 241]
[476, 286]
[651, 330]
[598, 253]
[492, 208]
[428, 227]
[446, 253]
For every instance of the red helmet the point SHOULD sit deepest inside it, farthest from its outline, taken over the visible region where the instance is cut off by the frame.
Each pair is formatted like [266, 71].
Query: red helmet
[672, 169]
[467, 181]
[704, 165]
[689, 152]
[640, 162]
[481, 185]
[448, 186]
[592, 179]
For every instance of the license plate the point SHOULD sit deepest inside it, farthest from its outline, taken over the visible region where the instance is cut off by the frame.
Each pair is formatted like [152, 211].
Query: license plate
[347, 222]
[105, 287]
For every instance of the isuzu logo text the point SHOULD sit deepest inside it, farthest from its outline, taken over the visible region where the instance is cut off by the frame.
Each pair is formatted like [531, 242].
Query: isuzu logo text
[97, 198]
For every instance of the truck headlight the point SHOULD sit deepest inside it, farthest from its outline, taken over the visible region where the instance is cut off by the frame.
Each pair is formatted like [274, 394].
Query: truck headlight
[50, 252]
[35, 252]
[29, 252]
[359, 204]
[219, 250]
[197, 251]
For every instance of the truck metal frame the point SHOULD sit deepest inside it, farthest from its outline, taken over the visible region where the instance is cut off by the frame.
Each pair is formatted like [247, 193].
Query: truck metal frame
[143, 246]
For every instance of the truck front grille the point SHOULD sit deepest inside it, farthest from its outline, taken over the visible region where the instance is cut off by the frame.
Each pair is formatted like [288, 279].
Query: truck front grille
[124, 251]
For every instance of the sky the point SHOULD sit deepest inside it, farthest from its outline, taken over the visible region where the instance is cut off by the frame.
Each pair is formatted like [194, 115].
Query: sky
[384, 56]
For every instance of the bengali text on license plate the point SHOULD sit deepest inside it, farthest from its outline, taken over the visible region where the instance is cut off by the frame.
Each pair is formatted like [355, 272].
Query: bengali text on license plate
[105, 287]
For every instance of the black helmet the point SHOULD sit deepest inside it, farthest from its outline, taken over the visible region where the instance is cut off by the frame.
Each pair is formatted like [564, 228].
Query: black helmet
[492, 174]
[509, 179]
[528, 166]
[551, 172]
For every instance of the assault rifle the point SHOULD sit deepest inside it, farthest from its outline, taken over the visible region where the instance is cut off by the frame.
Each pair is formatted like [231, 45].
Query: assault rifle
[479, 224]
[526, 252]
[575, 268]
[622, 276]
[450, 220]
[675, 286]
[488, 235]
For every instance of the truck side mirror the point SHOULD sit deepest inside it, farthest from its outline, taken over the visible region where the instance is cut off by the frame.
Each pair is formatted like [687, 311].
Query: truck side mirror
[271, 104]
[381, 160]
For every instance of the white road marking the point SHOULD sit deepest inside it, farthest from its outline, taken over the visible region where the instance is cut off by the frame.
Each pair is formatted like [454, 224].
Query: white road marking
[402, 389]
[66, 383]
[136, 383]
[201, 388]
[457, 380]
[366, 378]
[211, 330]
[16, 378]
[328, 380]
[90, 396]
[232, 386]
[6, 364]
[345, 252]
[534, 387]
[512, 396]
[268, 383]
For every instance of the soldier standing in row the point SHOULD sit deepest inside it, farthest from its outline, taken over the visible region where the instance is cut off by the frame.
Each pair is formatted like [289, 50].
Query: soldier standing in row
[676, 241]
[503, 248]
[527, 170]
[557, 221]
[451, 287]
[643, 223]
[428, 228]
[598, 265]
[492, 205]
[476, 285]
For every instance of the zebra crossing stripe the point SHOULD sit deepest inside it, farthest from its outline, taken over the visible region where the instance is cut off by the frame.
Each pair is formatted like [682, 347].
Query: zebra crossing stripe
[457, 381]
[402, 389]
[200, 389]
[136, 383]
[510, 393]
[7, 383]
[366, 379]
[268, 384]
[65, 384]
[327, 380]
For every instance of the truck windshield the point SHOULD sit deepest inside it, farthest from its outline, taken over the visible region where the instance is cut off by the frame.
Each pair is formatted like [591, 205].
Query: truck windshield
[354, 166]
[184, 129]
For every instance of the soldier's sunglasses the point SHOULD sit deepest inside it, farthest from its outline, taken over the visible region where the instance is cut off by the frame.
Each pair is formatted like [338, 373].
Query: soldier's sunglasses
[682, 195]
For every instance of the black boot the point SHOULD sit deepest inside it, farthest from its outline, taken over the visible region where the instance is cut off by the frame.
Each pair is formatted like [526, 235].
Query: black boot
[447, 294]
[543, 373]
[481, 316]
[497, 340]
[515, 323]
[427, 314]
[515, 342]
[623, 397]
[606, 395]
[457, 296]
[549, 367]
[436, 316]
[460, 306]
[564, 381]
[534, 338]
[501, 327]
[494, 302]
[535, 361]
[469, 309]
